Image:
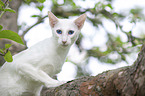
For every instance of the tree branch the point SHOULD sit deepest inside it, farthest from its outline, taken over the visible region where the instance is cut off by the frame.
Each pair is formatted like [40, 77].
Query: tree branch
[126, 81]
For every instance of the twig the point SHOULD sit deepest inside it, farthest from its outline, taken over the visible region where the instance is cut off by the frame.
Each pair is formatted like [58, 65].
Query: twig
[6, 4]
[2, 54]
[7, 1]
[5, 52]
[38, 22]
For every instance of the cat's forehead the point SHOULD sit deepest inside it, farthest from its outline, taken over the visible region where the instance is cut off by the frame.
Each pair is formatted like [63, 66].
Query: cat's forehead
[66, 20]
[65, 23]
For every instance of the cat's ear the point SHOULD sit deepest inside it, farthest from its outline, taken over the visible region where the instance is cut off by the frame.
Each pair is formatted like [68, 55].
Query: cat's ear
[52, 19]
[80, 21]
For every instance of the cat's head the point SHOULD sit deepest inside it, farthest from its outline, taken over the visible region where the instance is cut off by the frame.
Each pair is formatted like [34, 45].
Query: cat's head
[66, 31]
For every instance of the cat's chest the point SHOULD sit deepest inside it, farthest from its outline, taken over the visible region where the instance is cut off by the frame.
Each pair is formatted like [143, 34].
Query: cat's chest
[51, 58]
[52, 64]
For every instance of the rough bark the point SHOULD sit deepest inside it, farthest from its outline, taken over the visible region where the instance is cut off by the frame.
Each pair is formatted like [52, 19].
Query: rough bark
[9, 22]
[126, 81]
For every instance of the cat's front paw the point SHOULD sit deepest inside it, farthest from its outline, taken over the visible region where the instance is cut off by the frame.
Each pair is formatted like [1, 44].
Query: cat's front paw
[58, 83]
[62, 82]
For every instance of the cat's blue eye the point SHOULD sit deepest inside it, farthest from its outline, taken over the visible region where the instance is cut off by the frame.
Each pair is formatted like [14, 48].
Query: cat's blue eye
[70, 32]
[59, 31]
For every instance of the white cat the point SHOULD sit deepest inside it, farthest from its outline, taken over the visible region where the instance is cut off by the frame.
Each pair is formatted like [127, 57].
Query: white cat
[34, 67]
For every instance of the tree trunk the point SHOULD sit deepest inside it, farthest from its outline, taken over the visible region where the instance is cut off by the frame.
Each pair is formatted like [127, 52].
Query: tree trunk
[9, 22]
[126, 81]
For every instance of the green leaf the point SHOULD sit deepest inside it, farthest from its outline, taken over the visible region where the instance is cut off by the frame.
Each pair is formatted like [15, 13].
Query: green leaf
[1, 8]
[27, 1]
[55, 1]
[8, 34]
[1, 3]
[10, 10]
[35, 16]
[8, 57]
[1, 27]
[40, 7]
[109, 5]
[41, 1]
[8, 46]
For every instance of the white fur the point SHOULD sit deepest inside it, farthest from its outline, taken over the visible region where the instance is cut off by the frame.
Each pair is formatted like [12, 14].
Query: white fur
[35, 66]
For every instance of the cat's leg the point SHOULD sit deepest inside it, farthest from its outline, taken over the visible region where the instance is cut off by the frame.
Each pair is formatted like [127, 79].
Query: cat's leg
[37, 93]
[38, 75]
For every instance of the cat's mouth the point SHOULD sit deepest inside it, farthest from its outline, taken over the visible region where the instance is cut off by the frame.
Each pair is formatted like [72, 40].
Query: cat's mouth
[64, 45]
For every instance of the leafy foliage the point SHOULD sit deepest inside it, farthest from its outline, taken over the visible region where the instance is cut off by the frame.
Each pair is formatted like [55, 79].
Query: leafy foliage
[9, 10]
[1, 27]
[1, 5]
[7, 34]
[4, 7]
[41, 1]
[8, 57]
[40, 7]
[6, 53]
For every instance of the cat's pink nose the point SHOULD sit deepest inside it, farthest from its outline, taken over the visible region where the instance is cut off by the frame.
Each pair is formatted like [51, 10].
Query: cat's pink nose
[64, 42]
